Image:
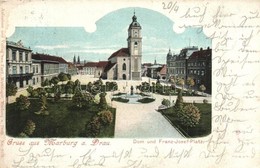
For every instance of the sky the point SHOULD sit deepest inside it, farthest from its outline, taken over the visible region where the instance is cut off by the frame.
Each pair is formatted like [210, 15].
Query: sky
[111, 34]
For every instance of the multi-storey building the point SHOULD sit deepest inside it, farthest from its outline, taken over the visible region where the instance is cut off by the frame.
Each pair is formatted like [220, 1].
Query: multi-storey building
[192, 63]
[36, 69]
[18, 64]
[89, 68]
[50, 65]
[199, 68]
[177, 64]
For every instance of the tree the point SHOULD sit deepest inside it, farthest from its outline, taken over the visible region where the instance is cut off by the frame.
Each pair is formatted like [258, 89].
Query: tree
[55, 80]
[29, 127]
[69, 76]
[63, 77]
[69, 87]
[166, 102]
[179, 102]
[30, 90]
[202, 88]
[22, 103]
[180, 82]
[43, 106]
[106, 117]
[82, 99]
[11, 90]
[102, 101]
[93, 127]
[190, 82]
[76, 86]
[46, 82]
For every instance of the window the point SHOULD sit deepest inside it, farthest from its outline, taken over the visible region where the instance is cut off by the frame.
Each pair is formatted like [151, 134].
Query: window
[37, 69]
[124, 67]
[33, 69]
[203, 63]
[14, 55]
[26, 56]
[21, 69]
[14, 70]
[20, 56]
[27, 81]
[202, 72]
[33, 81]
[198, 72]
[26, 69]
[195, 72]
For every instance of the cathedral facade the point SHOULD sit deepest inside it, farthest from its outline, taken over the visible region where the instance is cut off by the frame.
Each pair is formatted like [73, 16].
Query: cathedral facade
[125, 63]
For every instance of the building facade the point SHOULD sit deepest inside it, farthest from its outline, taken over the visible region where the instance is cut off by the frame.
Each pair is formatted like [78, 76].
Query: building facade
[90, 68]
[50, 65]
[177, 64]
[199, 68]
[18, 64]
[192, 63]
[36, 69]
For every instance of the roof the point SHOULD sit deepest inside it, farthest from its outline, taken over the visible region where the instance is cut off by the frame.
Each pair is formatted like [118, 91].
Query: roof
[91, 64]
[163, 69]
[134, 22]
[102, 64]
[49, 58]
[201, 54]
[123, 52]
[19, 44]
[109, 66]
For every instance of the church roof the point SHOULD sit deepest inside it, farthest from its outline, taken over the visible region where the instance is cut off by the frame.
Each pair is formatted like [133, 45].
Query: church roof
[109, 66]
[123, 52]
[134, 22]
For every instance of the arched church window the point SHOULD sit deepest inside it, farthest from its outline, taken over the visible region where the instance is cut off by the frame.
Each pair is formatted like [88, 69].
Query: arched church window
[124, 66]
[136, 43]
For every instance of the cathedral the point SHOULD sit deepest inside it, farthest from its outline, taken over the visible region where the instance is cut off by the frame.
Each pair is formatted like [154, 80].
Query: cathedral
[125, 64]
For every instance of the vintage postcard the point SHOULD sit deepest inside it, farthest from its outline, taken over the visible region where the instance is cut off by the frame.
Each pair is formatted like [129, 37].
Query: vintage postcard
[131, 84]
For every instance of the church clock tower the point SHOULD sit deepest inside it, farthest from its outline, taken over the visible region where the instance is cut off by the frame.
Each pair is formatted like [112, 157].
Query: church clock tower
[135, 49]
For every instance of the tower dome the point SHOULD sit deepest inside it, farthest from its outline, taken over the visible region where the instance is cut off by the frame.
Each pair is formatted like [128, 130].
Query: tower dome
[134, 22]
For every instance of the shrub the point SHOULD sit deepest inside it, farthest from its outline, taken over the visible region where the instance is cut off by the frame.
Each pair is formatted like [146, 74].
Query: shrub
[93, 127]
[205, 101]
[22, 103]
[179, 101]
[30, 90]
[106, 117]
[166, 102]
[202, 88]
[120, 99]
[146, 100]
[102, 101]
[190, 115]
[29, 127]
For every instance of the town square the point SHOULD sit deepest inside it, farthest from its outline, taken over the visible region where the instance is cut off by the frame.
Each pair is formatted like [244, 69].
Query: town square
[119, 96]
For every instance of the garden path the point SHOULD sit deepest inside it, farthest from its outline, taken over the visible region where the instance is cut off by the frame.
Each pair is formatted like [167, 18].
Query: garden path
[142, 121]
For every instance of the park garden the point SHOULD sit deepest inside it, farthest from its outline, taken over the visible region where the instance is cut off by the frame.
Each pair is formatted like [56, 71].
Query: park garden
[62, 108]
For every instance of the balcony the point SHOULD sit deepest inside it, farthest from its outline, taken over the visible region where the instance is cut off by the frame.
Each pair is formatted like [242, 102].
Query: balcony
[20, 75]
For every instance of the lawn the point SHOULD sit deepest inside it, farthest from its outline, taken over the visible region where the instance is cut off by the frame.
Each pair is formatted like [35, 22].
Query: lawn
[202, 129]
[64, 120]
